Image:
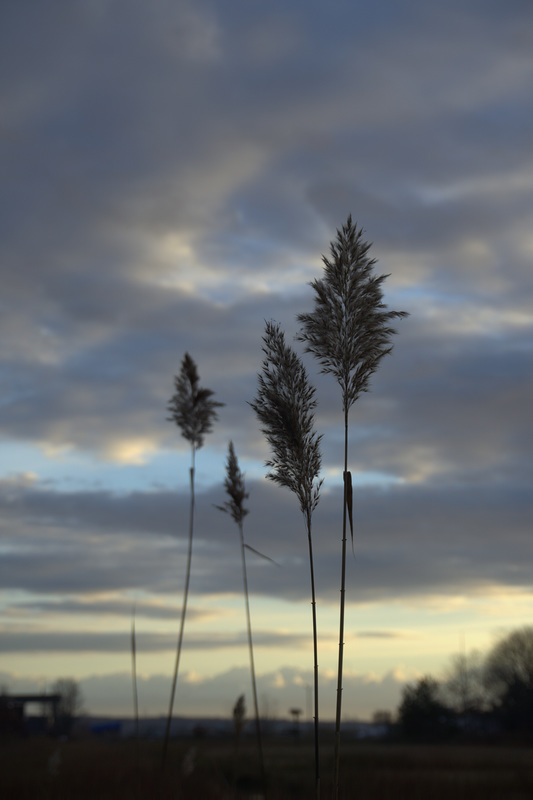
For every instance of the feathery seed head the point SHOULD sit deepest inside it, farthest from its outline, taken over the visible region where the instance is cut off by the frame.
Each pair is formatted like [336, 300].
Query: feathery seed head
[191, 406]
[234, 485]
[285, 406]
[348, 331]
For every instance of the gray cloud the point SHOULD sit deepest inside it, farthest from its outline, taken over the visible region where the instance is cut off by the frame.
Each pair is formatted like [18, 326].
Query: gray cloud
[119, 641]
[104, 608]
[432, 537]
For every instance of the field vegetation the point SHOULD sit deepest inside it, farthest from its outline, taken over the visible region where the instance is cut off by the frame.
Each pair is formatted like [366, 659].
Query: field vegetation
[206, 769]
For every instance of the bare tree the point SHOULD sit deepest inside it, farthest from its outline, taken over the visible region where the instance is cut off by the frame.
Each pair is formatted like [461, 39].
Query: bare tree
[349, 333]
[508, 676]
[463, 683]
[70, 705]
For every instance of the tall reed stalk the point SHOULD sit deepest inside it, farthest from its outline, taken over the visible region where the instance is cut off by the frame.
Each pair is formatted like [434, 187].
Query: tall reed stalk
[193, 410]
[134, 681]
[285, 404]
[349, 333]
[235, 488]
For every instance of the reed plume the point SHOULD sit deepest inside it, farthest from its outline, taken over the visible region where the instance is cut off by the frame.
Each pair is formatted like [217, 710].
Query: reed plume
[285, 404]
[349, 333]
[235, 488]
[194, 411]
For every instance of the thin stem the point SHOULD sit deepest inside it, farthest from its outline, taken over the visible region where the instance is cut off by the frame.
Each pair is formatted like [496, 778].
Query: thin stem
[341, 621]
[251, 651]
[183, 612]
[135, 693]
[315, 653]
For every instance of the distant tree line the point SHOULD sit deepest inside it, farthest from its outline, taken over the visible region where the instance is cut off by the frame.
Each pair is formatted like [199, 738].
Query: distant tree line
[479, 696]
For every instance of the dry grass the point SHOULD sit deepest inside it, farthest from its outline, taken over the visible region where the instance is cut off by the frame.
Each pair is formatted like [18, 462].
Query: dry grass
[285, 404]
[203, 769]
[194, 411]
[349, 333]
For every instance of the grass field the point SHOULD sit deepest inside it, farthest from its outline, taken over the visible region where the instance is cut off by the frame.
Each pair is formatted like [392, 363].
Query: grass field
[32, 769]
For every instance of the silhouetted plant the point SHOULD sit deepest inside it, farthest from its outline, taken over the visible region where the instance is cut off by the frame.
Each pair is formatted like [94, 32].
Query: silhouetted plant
[349, 333]
[239, 716]
[285, 404]
[194, 411]
[134, 681]
[236, 491]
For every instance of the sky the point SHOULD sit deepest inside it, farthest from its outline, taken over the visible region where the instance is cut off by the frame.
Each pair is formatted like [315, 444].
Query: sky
[172, 174]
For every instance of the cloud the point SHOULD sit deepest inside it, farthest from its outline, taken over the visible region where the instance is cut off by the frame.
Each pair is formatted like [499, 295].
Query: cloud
[119, 641]
[114, 607]
[278, 691]
[411, 539]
